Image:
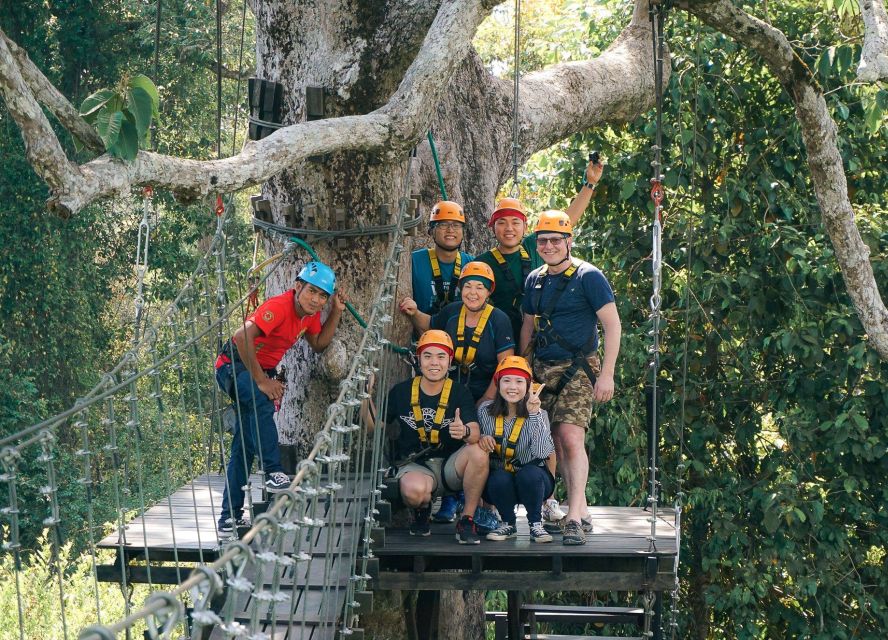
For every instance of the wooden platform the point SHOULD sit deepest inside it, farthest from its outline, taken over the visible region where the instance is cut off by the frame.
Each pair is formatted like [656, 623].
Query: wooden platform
[618, 556]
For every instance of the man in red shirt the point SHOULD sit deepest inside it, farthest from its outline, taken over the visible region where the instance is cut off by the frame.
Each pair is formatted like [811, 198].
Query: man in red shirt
[245, 370]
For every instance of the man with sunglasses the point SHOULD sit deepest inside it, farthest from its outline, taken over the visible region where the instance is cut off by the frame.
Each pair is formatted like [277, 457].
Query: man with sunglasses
[564, 300]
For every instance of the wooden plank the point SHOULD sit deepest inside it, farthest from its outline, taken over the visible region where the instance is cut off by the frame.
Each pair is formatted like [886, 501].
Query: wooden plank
[512, 580]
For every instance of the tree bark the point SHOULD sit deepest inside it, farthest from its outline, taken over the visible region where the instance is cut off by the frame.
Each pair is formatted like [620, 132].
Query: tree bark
[824, 161]
[874, 56]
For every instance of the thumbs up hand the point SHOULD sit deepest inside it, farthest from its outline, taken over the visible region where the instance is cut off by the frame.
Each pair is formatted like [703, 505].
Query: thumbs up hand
[457, 428]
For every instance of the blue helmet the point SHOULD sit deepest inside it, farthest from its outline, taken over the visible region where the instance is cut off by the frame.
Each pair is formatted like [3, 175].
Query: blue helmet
[320, 275]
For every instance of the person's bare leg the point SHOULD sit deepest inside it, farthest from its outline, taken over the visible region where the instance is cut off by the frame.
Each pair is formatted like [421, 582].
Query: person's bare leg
[472, 465]
[574, 462]
[561, 456]
[416, 489]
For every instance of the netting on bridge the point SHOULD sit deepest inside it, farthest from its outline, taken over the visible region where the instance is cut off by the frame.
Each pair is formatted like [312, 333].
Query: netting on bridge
[154, 424]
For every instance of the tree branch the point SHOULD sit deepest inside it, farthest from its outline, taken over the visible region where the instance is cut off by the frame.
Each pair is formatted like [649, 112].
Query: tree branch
[42, 147]
[615, 87]
[50, 97]
[819, 134]
[874, 56]
[394, 128]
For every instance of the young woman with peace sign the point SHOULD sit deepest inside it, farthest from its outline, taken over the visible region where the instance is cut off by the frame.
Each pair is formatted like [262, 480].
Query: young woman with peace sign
[515, 431]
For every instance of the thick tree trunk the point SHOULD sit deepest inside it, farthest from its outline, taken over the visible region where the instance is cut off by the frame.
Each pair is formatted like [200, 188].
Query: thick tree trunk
[874, 56]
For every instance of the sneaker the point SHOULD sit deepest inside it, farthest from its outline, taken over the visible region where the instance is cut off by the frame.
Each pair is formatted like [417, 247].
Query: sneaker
[503, 532]
[573, 533]
[558, 527]
[450, 506]
[277, 481]
[538, 533]
[419, 524]
[486, 520]
[552, 511]
[229, 524]
[466, 532]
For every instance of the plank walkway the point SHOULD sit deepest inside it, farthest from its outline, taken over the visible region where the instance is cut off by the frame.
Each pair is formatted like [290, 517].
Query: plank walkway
[312, 591]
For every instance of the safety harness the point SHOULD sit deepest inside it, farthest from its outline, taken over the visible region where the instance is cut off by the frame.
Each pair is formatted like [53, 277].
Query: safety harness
[444, 295]
[545, 333]
[432, 437]
[466, 350]
[509, 276]
[510, 443]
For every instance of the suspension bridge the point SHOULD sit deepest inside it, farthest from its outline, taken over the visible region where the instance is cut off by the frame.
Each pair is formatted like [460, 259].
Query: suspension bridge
[150, 444]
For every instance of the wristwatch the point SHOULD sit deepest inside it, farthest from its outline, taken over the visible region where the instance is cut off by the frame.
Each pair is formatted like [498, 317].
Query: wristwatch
[468, 432]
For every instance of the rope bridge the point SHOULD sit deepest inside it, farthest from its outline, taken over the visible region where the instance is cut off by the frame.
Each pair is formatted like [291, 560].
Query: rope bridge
[154, 423]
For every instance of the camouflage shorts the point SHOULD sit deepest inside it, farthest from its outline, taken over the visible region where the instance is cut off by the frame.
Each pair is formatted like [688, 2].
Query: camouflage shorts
[574, 404]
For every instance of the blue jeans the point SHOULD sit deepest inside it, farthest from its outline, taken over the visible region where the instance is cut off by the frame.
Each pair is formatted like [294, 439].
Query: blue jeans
[255, 433]
[529, 486]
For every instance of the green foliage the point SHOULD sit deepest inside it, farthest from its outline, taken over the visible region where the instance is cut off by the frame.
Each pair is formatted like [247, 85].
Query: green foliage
[38, 576]
[122, 116]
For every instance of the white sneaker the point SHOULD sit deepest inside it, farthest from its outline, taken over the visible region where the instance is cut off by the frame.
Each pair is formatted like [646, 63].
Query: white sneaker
[552, 510]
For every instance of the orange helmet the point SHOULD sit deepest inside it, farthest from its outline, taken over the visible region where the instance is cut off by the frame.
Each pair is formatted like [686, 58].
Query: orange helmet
[555, 222]
[447, 210]
[478, 271]
[512, 366]
[435, 338]
[508, 207]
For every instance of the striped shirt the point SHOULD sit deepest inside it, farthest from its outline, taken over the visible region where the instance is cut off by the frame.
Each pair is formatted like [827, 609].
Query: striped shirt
[534, 443]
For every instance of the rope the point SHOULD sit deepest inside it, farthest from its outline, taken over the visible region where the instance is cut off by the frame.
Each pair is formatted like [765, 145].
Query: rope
[219, 78]
[240, 71]
[437, 165]
[516, 147]
[156, 64]
[657, 19]
[678, 503]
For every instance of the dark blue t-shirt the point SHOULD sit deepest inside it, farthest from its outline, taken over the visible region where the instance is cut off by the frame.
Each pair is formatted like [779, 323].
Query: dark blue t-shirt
[496, 338]
[574, 317]
[423, 282]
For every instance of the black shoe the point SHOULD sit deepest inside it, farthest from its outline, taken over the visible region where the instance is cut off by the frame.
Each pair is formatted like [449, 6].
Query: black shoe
[419, 523]
[466, 533]
[229, 524]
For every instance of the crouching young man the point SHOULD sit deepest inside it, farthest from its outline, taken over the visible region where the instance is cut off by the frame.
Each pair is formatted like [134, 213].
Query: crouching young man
[436, 444]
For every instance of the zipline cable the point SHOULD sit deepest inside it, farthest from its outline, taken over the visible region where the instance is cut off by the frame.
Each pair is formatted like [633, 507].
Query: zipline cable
[516, 147]
[219, 78]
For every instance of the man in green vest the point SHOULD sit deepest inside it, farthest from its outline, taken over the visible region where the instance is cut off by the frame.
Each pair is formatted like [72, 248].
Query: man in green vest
[515, 255]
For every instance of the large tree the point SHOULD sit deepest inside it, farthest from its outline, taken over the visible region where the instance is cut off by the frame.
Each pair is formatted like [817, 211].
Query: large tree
[389, 72]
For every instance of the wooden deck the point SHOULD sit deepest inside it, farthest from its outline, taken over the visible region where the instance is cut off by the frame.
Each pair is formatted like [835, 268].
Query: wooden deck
[618, 556]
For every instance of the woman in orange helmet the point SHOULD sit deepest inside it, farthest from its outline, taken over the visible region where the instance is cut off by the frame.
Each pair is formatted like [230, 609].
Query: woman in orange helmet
[515, 431]
[482, 335]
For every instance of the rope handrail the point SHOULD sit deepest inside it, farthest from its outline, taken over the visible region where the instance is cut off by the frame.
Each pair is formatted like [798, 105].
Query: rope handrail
[97, 393]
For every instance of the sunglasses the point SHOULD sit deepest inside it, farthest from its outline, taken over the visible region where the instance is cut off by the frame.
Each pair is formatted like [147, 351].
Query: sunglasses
[553, 241]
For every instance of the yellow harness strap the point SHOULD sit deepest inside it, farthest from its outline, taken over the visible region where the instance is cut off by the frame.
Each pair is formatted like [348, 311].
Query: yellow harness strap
[467, 356]
[511, 442]
[444, 398]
